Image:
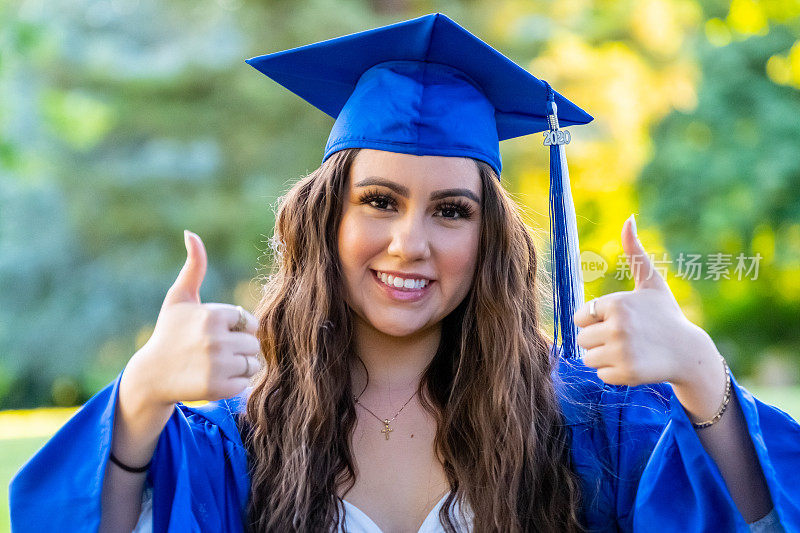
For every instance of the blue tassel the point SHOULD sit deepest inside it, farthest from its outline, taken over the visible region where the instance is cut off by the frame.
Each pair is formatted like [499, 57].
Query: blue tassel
[565, 262]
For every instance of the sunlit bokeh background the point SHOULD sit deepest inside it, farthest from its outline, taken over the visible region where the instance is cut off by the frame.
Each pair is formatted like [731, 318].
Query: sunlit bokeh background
[122, 122]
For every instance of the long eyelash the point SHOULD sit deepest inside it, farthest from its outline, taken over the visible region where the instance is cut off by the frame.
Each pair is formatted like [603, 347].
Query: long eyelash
[372, 196]
[465, 211]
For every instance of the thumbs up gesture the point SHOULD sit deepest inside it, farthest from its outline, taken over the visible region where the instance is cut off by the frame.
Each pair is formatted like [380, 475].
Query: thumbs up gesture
[194, 354]
[642, 336]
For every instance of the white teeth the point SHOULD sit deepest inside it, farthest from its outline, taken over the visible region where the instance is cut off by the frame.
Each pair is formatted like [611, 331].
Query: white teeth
[400, 282]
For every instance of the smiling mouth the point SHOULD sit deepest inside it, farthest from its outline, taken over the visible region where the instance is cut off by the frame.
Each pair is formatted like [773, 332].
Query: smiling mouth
[410, 286]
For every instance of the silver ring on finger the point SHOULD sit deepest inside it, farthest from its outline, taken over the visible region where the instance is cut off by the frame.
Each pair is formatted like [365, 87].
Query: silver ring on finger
[593, 309]
[242, 322]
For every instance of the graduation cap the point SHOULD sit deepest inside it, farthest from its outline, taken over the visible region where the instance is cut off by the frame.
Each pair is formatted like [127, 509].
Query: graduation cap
[427, 86]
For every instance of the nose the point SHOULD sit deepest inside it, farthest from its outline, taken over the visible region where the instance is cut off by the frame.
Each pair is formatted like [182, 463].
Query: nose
[410, 240]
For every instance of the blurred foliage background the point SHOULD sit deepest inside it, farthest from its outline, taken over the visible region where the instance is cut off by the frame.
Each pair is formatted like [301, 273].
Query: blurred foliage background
[122, 122]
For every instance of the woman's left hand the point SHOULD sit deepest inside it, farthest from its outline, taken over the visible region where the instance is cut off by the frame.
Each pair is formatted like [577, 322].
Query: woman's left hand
[642, 336]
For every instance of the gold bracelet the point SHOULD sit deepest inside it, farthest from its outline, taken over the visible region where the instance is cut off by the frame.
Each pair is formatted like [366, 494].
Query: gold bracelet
[724, 401]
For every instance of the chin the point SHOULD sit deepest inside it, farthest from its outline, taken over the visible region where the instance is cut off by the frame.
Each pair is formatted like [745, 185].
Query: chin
[397, 327]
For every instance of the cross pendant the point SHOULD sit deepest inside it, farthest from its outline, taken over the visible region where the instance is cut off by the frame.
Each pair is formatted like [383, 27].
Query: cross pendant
[386, 429]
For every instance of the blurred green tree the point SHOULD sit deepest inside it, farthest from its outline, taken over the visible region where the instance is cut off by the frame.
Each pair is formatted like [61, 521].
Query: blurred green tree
[121, 124]
[725, 178]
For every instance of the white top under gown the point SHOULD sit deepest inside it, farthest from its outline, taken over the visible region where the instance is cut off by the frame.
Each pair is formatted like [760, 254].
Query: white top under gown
[357, 521]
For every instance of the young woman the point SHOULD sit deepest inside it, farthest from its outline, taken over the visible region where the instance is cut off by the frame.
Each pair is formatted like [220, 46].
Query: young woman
[402, 379]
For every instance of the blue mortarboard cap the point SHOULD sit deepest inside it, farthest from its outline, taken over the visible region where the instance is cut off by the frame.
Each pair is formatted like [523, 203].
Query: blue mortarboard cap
[427, 86]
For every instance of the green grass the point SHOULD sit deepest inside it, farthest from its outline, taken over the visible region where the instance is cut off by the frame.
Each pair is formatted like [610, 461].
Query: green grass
[784, 398]
[14, 452]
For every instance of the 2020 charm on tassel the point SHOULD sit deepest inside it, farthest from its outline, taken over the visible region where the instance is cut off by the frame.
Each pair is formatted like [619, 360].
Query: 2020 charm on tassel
[564, 249]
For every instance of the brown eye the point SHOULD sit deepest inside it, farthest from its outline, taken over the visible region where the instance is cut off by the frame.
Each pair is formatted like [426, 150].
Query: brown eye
[380, 203]
[377, 200]
[456, 210]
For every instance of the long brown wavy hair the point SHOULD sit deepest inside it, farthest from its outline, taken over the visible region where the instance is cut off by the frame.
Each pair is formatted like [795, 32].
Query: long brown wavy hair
[505, 453]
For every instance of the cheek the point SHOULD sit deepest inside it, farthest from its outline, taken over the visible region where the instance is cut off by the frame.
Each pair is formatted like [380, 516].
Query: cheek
[357, 243]
[458, 259]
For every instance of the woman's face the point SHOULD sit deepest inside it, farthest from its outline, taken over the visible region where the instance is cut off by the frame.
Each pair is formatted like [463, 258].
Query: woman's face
[412, 221]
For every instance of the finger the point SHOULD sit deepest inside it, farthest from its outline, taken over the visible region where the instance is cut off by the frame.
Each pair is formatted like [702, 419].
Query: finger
[599, 357]
[645, 274]
[239, 366]
[187, 285]
[235, 385]
[229, 316]
[612, 375]
[239, 342]
[593, 335]
[583, 318]
[233, 318]
[251, 366]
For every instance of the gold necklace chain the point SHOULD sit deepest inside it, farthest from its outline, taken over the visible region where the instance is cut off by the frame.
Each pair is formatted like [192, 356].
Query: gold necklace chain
[385, 421]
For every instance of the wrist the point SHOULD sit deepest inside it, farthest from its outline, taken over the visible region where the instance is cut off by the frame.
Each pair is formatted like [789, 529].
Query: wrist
[725, 401]
[139, 418]
[136, 386]
[702, 380]
[698, 360]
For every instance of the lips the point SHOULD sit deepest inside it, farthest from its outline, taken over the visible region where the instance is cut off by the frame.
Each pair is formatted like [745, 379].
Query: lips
[401, 293]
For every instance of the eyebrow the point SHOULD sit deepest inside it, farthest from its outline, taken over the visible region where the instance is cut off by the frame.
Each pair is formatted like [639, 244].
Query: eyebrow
[403, 191]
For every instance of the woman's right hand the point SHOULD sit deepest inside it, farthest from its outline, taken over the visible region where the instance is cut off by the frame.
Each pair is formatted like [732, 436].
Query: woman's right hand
[193, 354]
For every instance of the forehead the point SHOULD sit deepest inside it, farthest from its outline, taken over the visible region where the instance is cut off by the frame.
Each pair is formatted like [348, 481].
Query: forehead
[423, 173]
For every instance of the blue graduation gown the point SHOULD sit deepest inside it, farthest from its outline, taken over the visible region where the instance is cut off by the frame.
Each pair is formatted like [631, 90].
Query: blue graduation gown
[641, 463]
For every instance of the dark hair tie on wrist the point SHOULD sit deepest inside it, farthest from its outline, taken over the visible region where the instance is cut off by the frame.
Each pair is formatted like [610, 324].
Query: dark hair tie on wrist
[136, 470]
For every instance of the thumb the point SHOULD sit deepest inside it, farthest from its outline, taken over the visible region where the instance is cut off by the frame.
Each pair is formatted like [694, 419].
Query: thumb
[645, 275]
[187, 285]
